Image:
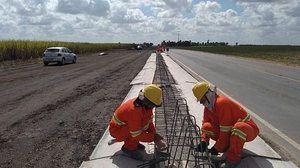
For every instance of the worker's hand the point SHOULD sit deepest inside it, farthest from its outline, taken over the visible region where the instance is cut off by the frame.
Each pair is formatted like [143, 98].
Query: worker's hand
[161, 145]
[157, 137]
[213, 151]
[202, 146]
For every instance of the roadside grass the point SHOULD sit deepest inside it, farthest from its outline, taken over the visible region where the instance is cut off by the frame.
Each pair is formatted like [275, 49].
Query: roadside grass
[289, 55]
[26, 49]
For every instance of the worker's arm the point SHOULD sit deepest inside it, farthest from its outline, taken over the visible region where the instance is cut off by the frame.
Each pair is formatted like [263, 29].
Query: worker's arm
[151, 128]
[225, 127]
[204, 136]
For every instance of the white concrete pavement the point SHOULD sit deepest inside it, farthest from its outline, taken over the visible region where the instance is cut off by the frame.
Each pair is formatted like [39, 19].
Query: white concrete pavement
[112, 157]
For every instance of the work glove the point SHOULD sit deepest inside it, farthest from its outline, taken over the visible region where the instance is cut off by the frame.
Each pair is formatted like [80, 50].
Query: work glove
[161, 145]
[202, 146]
[157, 137]
[213, 151]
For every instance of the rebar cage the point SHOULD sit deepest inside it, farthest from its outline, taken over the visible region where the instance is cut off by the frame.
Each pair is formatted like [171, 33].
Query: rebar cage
[175, 123]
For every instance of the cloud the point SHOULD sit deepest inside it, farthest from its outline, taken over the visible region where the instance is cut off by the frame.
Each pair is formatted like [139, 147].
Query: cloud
[121, 14]
[209, 15]
[168, 26]
[32, 8]
[265, 21]
[262, 1]
[39, 20]
[294, 11]
[265, 15]
[252, 21]
[205, 7]
[179, 5]
[91, 7]
[27, 7]
[72, 7]
[167, 14]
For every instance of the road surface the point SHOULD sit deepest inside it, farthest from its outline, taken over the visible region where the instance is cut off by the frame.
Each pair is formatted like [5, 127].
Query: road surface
[271, 91]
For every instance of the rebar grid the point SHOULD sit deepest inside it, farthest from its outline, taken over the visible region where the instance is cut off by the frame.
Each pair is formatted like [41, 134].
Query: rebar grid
[174, 122]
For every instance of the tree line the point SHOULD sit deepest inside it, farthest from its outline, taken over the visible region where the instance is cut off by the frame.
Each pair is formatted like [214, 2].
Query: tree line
[190, 43]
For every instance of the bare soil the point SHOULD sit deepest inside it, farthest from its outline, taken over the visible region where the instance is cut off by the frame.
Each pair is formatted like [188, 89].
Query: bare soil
[54, 116]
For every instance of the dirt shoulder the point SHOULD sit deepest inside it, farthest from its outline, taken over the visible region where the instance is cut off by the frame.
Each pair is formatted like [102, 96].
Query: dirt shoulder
[53, 116]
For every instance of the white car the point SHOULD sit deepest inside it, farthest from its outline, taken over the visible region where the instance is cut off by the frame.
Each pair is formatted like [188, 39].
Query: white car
[60, 55]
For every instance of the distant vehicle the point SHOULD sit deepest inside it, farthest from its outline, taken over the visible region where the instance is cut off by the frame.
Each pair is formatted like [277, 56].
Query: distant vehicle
[60, 55]
[102, 53]
[135, 47]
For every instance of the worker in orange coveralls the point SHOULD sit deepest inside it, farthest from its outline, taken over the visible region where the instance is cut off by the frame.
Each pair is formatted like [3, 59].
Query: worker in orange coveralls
[132, 123]
[224, 121]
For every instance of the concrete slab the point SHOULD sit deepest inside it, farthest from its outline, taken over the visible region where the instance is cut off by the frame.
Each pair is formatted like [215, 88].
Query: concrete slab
[259, 147]
[145, 76]
[118, 160]
[185, 84]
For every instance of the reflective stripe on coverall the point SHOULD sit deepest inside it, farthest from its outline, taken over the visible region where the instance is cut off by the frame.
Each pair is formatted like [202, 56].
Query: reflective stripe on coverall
[132, 124]
[230, 126]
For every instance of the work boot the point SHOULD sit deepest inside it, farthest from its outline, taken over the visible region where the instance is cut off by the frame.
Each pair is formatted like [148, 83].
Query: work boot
[218, 158]
[137, 154]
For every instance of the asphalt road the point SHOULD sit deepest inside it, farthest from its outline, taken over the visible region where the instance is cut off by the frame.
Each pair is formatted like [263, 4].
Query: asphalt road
[271, 91]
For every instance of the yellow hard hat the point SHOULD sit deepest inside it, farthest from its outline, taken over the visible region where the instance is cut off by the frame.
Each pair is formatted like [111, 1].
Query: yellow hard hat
[199, 89]
[153, 93]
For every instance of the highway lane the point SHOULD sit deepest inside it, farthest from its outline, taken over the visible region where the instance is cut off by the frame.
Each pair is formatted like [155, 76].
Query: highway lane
[271, 91]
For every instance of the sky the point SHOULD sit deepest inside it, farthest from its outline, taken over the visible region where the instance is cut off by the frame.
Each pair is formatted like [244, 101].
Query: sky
[136, 21]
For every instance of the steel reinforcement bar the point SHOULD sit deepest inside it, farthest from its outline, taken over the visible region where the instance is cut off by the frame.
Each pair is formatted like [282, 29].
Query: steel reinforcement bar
[174, 122]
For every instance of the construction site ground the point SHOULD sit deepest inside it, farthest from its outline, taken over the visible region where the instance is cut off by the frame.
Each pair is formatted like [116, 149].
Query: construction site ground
[176, 84]
[54, 116]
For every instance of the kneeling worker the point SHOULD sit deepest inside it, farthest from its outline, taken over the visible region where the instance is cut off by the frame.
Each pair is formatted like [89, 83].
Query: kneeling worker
[132, 122]
[224, 121]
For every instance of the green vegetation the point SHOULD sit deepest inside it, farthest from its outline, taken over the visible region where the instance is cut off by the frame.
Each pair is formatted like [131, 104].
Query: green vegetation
[283, 54]
[25, 49]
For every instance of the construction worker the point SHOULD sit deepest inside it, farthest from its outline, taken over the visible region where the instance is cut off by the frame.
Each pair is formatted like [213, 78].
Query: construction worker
[224, 121]
[132, 123]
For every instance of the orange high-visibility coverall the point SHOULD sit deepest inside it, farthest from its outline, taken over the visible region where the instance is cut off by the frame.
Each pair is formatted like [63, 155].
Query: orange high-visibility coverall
[230, 126]
[132, 124]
